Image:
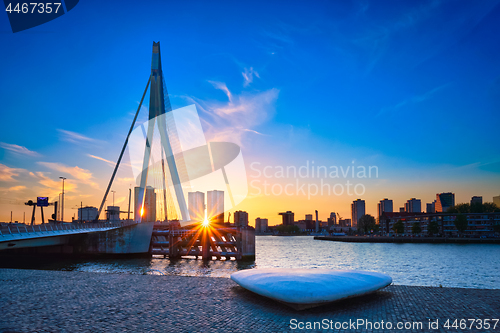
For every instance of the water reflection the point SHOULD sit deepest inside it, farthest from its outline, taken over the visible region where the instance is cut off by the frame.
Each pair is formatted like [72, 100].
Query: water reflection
[449, 265]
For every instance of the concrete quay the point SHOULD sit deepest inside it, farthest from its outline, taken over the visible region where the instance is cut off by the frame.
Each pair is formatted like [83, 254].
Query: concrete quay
[62, 301]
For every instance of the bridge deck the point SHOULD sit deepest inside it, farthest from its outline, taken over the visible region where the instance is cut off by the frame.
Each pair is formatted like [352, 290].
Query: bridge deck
[16, 233]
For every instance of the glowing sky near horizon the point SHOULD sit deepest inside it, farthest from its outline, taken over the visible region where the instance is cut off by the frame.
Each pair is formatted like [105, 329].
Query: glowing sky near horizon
[412, 87]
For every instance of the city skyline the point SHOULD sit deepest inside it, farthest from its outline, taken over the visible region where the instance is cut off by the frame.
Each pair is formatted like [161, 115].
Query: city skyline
[340, 85]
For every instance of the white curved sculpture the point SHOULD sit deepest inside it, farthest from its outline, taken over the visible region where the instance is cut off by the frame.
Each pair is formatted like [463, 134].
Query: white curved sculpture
[306, 288]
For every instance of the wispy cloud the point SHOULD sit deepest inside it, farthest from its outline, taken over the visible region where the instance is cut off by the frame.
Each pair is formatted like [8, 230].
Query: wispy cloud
[222, 86]
[82, 175]
[239, 115]
[413, 100]
[102, 159]
[18, 149]
[7, 174]
[248, 75]
[74, 137]
[280, 35]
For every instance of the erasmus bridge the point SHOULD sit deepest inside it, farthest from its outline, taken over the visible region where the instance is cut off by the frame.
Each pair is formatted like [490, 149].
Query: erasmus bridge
[159, 105]
[184, 158]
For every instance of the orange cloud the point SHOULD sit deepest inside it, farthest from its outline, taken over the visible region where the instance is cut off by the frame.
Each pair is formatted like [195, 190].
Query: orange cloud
[55, 185]
[83, 175]
[17, 188]
[7, 174]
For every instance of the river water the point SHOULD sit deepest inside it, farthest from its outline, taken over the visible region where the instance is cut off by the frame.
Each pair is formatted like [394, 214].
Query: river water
[448, 265]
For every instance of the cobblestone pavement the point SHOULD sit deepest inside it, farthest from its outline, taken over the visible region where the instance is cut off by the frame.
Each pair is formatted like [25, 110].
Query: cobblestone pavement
[58, 301]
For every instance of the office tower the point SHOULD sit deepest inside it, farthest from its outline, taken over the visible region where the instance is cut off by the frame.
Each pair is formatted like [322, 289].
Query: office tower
[264, 225]
[261, 225]
[309, 217]
[444, 201]
[215, 206]
[475, 200]
[496, 201]
[148, 211]
[413, 206]
[384, 206]
[240, 218]
[196, 206]
[288, 217]
[332, 220]
[431, 207]
[357, 210]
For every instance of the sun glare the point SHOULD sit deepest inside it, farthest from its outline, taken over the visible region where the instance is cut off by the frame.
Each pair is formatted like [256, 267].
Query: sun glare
[205, 223]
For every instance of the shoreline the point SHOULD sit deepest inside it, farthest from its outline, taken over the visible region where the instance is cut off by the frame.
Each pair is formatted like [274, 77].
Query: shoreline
[421, 240]
[91, 301]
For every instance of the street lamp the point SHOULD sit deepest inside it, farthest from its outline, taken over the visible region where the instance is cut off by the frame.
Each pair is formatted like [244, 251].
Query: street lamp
[62, 202]
[59, 208]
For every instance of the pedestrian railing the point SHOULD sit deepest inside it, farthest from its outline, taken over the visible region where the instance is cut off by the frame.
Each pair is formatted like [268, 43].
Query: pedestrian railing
[56, 228]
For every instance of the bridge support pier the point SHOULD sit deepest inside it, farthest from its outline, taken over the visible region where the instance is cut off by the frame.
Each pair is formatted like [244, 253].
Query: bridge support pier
[218, 240]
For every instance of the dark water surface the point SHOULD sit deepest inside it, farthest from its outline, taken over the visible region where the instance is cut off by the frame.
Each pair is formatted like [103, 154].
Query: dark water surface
[449, 265]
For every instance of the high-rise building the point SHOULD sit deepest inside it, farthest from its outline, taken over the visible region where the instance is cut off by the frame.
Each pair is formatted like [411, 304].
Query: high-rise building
[332, 220]
[496, 201]
[401, 209]
[288, 217]
[444, 201]
[240, 218]
[261, 225]
[476, 200]
[215, 206]
[431, 207]
[148, 210]
[357, 210]
[196, 206]
[384, 206]
[309, 217]
[413, 206]
[264, 225]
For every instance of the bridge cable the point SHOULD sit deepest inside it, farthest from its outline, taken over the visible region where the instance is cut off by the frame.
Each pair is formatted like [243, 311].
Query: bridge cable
[121, 154]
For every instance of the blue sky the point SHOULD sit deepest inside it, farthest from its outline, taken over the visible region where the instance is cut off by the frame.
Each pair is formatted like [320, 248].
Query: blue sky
[411, 86]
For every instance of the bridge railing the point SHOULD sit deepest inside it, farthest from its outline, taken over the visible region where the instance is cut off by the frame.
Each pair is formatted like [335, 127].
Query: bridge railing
[54, 227]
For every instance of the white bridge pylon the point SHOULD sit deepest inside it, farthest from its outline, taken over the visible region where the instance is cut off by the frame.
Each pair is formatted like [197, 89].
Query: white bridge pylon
[166, 148]
[159, 106]
[194, 164]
